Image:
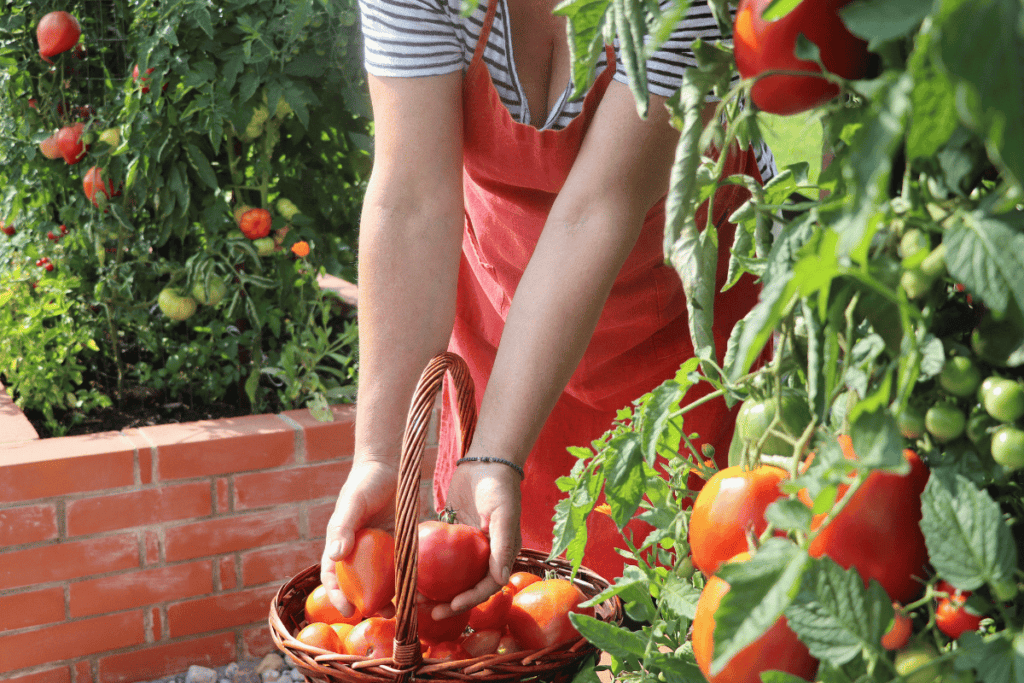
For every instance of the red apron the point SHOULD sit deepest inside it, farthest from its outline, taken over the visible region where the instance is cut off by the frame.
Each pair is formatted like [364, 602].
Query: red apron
[512, 174]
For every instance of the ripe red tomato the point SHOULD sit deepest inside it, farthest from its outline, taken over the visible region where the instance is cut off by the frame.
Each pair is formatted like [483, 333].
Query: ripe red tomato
[539, 616]
[481, 643]
[50, 147]
[373, 637]
[321, 635]
[431, 631]
[56, 33]
[452, 559]
[7, 229]
[69, 140]
[762, 46]
[732, 501]
[95, 189]
[448, 651]
[319, 608]
[898, 635]
[879, 531]
[135, 78]
[492, 613]
[953, 618]
[778, 649]
[367, 574]
[520, 580]
[255, 223]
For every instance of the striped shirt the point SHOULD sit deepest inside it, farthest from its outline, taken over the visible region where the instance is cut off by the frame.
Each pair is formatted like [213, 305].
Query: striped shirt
[409, 38]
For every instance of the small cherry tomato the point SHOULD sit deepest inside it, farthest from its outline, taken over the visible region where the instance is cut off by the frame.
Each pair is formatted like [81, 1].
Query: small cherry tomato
[945, 422]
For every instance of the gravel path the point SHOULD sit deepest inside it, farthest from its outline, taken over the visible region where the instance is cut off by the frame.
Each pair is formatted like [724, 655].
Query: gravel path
[271, 669]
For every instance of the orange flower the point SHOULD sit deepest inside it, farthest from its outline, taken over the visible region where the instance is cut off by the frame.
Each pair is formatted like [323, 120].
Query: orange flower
[301, 248]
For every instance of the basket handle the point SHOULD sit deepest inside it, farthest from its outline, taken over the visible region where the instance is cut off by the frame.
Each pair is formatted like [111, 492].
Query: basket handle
[407, 654]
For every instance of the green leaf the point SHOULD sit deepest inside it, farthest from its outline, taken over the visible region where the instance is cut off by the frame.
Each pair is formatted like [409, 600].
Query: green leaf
[760, 590]
[625, 476]
[679, 596]
[631, 30]
[986, 254]
[877, 441]
[586, 40]
[879, 21]
[201, 16]
[202, 166]
[969, 543]
[836, 617]
[982, 48]
[616, 641]
[789, 514]
[655, 416]
[933, 116]
[998, 658]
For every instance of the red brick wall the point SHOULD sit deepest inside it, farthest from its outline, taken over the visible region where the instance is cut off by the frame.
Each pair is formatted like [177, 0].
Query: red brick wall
[128, 556]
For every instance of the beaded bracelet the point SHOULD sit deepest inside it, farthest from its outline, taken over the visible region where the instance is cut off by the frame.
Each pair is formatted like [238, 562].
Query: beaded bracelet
[517, 468]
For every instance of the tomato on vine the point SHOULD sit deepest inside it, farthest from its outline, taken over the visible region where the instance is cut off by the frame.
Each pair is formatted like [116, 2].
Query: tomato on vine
[57, 32]
[1007, 447]
[945, 422]
[898, 635]
[762, 46]
[1003, 399]
[731, 502]
[777, 649]
[755, 416]
[960, 376]
[953, 618]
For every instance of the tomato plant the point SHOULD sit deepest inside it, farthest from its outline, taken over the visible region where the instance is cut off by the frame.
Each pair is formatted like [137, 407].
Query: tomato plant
[732, 502]
[539, 616]
[789, 415]
[898, 635]
[763, 46]
[452, 559]
[367, 574]
[945, 422]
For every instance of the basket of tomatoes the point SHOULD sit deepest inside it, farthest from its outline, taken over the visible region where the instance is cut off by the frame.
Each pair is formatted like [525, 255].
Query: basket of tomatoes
[521, 632]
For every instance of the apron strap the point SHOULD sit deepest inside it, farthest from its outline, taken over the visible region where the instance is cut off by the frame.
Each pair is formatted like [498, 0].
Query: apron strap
[485, 33]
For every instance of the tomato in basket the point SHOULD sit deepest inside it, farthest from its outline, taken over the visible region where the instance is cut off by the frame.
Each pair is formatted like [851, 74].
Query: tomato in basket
[539, 616]
[433, 631]
[373, 638]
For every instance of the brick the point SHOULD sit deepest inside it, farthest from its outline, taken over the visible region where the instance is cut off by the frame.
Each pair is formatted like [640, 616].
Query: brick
[152, 547]
[223, 496]
[216, 612]
[48, 468]
[141, 507]
[71, 640]
[167, 659]
[83, 672]
[228, 574]
[230, 534]
[157, 623]
[69, 560]
[264, 489]
[258, 642]
[277, 565]
[33, 608]
[27, 524]
[318, 515]
[327, 440]
[14, 426]
[128, 590]
[60, 674]
[215, 447]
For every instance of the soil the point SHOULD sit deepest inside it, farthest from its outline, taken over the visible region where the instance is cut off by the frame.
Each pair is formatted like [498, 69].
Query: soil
[136, 414]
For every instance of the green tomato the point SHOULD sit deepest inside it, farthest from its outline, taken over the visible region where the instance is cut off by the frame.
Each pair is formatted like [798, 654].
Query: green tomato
[217, 291]
[917, 664]
[756, 415]
[915, 283]
[911, 422]
[913, 242]
[1008, 447]
[979, 428]
[1004, 399]
[945, 422]
[960, 376]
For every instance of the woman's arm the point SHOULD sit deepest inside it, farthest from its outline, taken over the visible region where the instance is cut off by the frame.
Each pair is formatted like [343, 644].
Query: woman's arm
[409, 244]
[622, 170]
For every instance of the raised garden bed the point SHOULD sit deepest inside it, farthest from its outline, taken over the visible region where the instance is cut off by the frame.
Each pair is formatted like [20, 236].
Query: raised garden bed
[131, 555]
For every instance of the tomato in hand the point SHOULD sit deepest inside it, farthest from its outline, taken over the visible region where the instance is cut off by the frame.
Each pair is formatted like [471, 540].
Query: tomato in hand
[492, 613]
[762, 46]
[778, 649]
[879, 529]
[367, 574]
[373, 638]
[452, 559]
[732, 501]
[433, 631]
[539, 616]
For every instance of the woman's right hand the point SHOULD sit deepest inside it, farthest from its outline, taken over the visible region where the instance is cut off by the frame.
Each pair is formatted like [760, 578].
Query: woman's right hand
[367, 499]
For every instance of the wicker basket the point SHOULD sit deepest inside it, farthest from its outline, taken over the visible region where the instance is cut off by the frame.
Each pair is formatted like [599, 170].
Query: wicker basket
[287, 610]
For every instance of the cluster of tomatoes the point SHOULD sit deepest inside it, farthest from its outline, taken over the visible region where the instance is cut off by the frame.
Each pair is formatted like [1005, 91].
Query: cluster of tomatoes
[529, 613]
